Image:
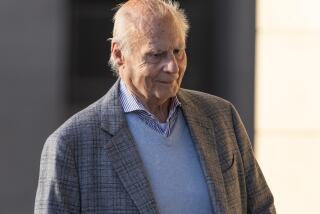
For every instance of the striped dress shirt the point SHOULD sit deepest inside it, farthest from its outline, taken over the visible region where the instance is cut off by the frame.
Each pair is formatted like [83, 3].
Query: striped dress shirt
[130, 103]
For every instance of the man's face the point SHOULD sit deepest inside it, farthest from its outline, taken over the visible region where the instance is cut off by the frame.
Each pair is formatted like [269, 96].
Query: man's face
[155, 67]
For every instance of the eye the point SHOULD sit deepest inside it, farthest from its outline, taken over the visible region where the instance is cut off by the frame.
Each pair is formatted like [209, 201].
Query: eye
[178, 53]
[159, 54]
[155, 57]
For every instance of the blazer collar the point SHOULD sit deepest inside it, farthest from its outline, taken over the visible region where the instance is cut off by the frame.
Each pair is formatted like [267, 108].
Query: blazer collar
[123, 153]
[203, 135]
[112, 116]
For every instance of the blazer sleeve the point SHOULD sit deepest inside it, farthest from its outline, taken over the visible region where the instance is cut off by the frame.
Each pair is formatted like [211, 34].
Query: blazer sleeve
[58, 187]
[259, 196]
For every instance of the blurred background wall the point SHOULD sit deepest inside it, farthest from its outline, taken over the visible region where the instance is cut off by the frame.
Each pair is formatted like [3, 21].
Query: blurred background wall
[32, 69]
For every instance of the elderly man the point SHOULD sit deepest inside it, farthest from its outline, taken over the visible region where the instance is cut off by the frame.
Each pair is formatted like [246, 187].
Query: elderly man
[148, 146]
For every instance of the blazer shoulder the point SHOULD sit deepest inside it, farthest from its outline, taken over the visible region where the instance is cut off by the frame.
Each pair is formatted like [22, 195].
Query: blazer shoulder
[207, 102]
[81, 121]
[203, 97]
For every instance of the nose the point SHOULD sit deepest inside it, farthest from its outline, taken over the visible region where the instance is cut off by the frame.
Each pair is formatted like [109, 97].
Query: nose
[171, 65]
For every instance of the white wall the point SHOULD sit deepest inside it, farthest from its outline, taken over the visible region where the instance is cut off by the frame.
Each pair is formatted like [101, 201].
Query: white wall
[288, 101]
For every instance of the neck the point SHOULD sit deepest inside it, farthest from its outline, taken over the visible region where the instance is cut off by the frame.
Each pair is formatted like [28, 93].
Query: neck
[160, 111]
[159, 108]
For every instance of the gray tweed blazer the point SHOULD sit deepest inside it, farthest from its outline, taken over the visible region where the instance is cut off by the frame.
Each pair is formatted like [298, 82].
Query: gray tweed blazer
[91, 164]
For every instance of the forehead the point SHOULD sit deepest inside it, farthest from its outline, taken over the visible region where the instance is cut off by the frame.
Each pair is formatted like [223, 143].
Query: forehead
[162, 33]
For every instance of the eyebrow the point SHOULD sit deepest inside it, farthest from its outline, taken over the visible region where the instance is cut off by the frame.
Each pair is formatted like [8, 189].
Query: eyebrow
[155, 49]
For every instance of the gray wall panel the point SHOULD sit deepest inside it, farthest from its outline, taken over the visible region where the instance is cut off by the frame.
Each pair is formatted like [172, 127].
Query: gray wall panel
[32, 51]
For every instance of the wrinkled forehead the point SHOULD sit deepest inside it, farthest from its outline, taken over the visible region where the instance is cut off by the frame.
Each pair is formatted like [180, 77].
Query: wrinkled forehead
[162, 29]
[162, 35]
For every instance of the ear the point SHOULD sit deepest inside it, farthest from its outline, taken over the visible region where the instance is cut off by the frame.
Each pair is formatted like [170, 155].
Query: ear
[117, 53]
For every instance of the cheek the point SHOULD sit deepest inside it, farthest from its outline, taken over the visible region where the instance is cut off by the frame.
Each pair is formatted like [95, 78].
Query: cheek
[150, 73]
[185, 62]
[146, 78]
[182, 68]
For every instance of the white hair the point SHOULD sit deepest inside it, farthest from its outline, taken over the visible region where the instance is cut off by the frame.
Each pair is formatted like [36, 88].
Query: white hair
[130, 17]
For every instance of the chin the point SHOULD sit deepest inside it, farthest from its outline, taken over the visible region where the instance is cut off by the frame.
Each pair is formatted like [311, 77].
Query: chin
[167, 95]
[166, 92]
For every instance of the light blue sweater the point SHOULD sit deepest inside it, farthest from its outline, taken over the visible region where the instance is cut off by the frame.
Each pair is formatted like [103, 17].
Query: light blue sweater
[173, 167]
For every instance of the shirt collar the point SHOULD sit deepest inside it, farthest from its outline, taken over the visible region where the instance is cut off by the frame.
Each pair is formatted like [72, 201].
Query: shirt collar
[131, 103]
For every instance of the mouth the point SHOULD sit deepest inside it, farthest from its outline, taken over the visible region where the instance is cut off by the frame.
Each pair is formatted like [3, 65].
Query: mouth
[167, 82]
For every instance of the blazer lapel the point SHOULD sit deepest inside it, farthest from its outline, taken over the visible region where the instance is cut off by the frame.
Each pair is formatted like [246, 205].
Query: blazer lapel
[124, 155]
[202, 133]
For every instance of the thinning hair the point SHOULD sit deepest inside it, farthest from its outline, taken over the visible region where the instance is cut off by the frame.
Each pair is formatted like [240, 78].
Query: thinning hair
[132, 16]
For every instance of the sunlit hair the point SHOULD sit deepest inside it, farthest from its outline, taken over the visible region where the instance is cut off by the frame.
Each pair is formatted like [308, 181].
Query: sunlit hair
[132, 15]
